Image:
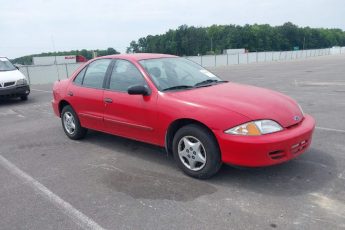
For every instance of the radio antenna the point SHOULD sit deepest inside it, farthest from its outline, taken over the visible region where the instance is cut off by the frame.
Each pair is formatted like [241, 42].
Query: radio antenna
[55, 62]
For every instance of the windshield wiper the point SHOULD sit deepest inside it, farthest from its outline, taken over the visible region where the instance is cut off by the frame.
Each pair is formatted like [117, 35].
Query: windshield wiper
[208, 82]
[178, 87]
[205, 83]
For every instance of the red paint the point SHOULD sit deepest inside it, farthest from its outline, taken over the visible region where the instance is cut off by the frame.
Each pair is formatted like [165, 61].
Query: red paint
[80, 58]
[219, 107]
[70, 57]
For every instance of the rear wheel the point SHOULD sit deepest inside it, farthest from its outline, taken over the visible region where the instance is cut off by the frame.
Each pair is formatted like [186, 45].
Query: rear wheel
[71, 124]
[196, 151]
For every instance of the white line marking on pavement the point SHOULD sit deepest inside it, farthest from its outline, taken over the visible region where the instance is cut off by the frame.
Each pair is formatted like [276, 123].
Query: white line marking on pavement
[39, 90]
[333, 130]
[78, 217]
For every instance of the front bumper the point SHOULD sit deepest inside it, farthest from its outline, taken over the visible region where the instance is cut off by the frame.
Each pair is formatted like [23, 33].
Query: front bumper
[15, 91]
[269, 149]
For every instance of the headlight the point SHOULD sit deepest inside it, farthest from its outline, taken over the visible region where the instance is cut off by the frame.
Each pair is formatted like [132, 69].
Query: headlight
[22, 82]
[255, 128]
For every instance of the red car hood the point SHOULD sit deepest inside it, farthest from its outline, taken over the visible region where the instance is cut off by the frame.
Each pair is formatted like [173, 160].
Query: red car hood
[252, 102]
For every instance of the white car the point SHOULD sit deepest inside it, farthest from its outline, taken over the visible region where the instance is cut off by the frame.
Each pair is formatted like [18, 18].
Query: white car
[12, 82]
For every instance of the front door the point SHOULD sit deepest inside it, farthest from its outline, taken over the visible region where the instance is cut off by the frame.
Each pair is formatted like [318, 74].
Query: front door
[132, 116]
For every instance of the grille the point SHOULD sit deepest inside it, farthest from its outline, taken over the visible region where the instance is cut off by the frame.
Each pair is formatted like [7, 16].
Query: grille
[275, 155]
[7, 84]
[294, 125]
[296, 148]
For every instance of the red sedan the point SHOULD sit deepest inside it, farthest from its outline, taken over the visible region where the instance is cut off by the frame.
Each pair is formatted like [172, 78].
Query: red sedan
[174, 103]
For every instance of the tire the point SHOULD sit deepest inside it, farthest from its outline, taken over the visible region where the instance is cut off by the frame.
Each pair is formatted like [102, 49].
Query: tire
[24, 98]
[200, 162]
[71, 125]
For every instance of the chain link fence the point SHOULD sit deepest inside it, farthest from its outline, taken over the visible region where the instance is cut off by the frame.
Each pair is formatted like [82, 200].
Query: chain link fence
[45, 74]
[259, 57]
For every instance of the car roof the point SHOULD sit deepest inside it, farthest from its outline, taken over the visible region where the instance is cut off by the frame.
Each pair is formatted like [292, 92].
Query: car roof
[139, 56]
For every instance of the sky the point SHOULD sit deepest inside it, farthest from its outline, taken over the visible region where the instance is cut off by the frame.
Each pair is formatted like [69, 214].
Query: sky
[36, 26]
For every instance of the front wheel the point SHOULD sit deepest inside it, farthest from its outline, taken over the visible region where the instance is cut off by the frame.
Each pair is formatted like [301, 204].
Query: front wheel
[196, 151]
[71, 124]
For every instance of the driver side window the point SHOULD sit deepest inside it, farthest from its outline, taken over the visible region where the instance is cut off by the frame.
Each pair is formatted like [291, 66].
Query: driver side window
[125, 75]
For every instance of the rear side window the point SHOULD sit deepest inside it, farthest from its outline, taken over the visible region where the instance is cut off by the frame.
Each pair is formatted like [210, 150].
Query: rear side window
[95, 73]
[124, 75]
[79, 78]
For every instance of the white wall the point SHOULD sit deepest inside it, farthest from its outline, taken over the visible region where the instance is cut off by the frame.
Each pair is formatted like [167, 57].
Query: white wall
[43, 74]
[256, 57]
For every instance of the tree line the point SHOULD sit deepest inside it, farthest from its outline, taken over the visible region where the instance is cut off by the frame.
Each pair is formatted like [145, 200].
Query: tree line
[190, 40]
[88, 54]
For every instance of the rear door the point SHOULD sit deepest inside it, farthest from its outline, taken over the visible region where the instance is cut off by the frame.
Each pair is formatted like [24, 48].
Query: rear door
[86, 94]
[132, 116]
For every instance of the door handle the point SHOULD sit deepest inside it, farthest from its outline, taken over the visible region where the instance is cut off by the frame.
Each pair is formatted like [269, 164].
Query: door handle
[70, 93]
[108, 100]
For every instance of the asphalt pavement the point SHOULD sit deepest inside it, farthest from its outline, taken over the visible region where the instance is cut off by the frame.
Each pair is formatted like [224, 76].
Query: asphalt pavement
[50, 182]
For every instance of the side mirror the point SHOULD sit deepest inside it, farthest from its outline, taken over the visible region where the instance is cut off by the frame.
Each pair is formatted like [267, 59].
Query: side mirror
[17, 67]
[138, 90]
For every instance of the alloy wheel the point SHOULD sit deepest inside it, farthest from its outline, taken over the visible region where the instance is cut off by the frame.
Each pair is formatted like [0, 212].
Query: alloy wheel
[192, 153]
[69, 122]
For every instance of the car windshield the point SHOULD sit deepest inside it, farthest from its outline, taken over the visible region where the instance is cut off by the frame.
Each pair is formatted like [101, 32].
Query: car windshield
[178, 74]
[6, 65]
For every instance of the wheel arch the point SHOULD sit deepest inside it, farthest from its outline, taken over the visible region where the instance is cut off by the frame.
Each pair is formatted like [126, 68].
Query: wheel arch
[176, 125]
[62, 104]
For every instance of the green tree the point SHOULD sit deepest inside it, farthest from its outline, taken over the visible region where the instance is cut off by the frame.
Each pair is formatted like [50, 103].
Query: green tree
[88, 54]
[190, 40]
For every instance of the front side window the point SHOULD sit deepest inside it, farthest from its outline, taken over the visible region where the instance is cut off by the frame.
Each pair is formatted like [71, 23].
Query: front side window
[6, 65]
[177, 73]
[125, 75]
[95, 73]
